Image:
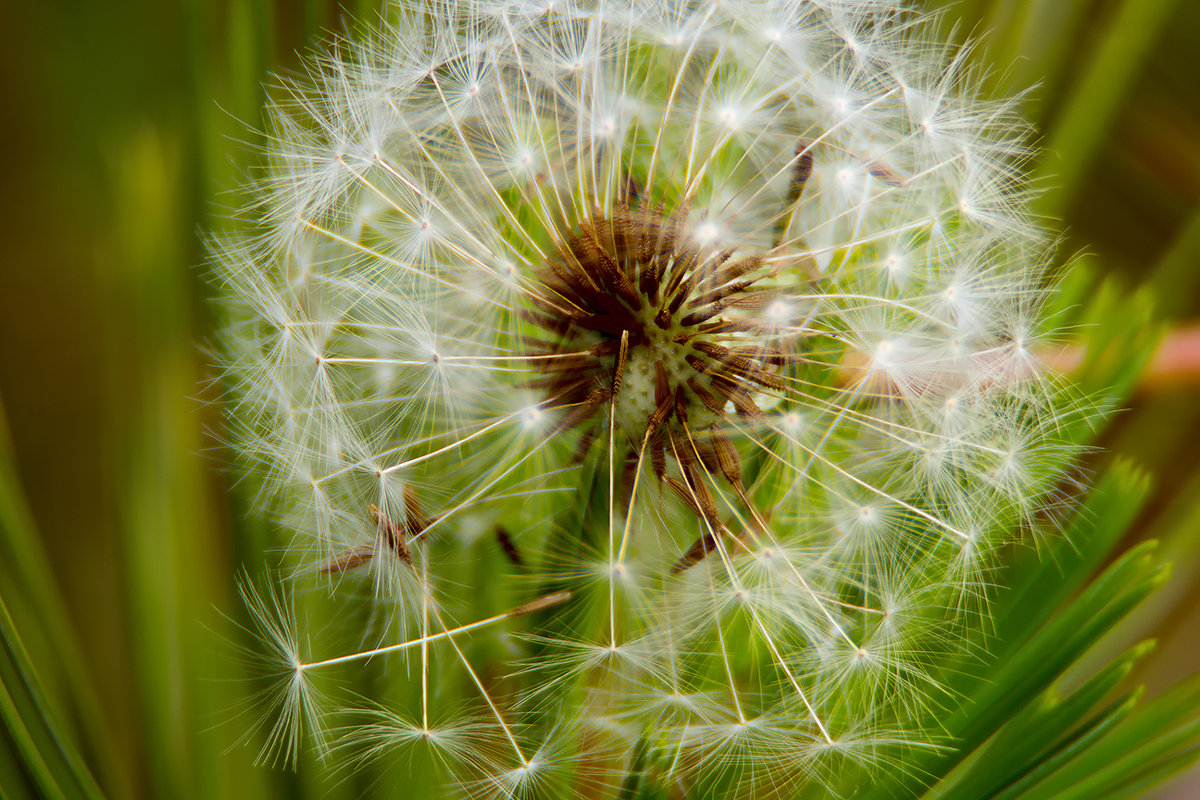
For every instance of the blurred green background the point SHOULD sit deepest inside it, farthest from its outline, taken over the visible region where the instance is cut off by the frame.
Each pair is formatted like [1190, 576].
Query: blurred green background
[127, 128]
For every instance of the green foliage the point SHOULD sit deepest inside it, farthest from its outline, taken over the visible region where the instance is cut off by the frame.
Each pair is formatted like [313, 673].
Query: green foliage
[38, 692]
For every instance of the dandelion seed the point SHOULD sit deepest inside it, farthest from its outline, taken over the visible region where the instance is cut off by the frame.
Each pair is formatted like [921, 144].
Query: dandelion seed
[292, 700]
[722, 310]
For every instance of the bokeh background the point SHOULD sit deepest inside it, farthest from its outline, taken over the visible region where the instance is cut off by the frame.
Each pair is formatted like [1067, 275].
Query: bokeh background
[126, 126]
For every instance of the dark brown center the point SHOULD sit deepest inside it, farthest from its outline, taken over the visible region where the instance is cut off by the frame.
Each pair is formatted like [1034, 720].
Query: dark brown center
[643, 318]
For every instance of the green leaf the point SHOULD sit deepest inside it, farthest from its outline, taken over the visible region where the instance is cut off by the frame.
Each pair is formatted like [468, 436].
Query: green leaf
[1151, 744]
[34, 700]
[1090, 732]
[49, 757]
[1039, 732]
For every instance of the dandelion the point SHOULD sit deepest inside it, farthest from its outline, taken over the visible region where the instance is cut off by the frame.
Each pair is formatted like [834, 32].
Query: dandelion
[678, 352]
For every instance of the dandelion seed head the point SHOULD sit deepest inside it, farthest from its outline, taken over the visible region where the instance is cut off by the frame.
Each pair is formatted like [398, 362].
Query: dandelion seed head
[708, 330]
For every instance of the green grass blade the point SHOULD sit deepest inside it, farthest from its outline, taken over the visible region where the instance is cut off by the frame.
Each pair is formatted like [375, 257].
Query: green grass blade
[1176, 275]
[1081, 128]
[1159, 771]
[1028, 49]
[1154, 742]
[1039, 732]
[13, 777]
[1087, 735]
[1039, 583]
[1057, 646]
[49, 757]
[31, 594]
